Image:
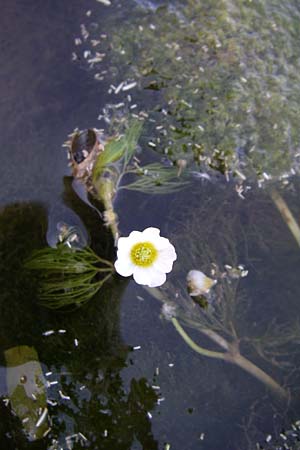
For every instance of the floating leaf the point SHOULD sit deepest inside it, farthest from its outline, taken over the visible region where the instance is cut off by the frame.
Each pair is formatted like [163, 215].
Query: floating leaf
[26, 387]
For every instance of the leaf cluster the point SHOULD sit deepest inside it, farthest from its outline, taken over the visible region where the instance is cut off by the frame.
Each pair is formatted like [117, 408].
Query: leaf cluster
[68, 276]
[155, 178]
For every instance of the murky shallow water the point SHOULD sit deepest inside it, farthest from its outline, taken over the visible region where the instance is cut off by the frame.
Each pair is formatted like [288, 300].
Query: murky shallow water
[119, 374]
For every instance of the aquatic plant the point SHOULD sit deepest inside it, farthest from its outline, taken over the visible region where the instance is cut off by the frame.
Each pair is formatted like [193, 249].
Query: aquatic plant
[108, 167]
[219, 306]
[145, 255]
[216, 324]
[218, 84]
[218, 81]
[27, 392]
[69, 276]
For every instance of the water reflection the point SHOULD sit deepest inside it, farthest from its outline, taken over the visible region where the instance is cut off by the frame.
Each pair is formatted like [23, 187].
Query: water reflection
[82, 352]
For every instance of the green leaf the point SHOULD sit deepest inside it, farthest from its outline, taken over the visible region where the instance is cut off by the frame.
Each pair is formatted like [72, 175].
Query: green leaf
[69, 276]
[155, 178]
[118, 148]
[26, 387]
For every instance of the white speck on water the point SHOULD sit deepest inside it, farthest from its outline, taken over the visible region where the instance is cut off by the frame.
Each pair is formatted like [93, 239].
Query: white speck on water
[129, 86]
[104, 2]
[51, 402]
[83, 437]
[42, 418]
[47, 374]
[149, 415]
[48, 332]
[63, 396]
[118, 88]
[76, 342]
[137, 347]
[47, 432]
[61, 331]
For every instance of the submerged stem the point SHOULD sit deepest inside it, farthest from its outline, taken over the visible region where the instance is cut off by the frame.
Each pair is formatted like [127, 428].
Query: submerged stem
[286, 214]
[233, 356]
[194, 346]
[258, 373]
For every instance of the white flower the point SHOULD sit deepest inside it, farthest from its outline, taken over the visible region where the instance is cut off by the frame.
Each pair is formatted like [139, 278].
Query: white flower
[198, 283]
[145, 255]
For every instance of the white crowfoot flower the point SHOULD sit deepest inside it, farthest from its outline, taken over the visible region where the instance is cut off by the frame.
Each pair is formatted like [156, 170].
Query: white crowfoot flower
[145, 255]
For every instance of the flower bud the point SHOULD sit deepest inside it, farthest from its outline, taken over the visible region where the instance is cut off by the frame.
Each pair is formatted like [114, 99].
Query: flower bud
[198, 283]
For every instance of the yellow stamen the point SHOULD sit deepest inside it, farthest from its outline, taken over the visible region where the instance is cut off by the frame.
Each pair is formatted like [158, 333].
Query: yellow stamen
[143, 254]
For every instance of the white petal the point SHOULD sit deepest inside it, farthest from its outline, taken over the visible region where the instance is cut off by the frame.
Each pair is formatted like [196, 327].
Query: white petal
[149, 277]
[165, 259]
[162, 243]
[124, 267]
[151, 234]
[135, 236]
[124, 244]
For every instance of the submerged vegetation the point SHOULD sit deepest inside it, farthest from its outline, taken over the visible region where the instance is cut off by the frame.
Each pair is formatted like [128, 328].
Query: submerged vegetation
[221, 89]
[223, 319]
[218, 80]
[69, 276]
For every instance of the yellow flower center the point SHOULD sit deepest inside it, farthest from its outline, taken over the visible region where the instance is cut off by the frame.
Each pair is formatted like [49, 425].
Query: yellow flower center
[143, 254]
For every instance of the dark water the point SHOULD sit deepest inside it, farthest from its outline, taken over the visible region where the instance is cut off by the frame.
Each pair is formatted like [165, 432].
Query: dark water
[131, 381]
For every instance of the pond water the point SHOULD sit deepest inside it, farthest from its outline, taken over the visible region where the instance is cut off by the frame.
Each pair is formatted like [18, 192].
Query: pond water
[118, 374]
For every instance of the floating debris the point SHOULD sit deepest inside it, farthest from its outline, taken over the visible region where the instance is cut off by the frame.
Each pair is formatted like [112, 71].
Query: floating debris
[104, 2]
[129, 86]
[42, 418]
[63, 396]
[48, 333]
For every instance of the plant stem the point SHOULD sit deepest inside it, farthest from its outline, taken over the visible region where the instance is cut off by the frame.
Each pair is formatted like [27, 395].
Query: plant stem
[286, 214]
[233, 356]
[194, 346]
[258, 373]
